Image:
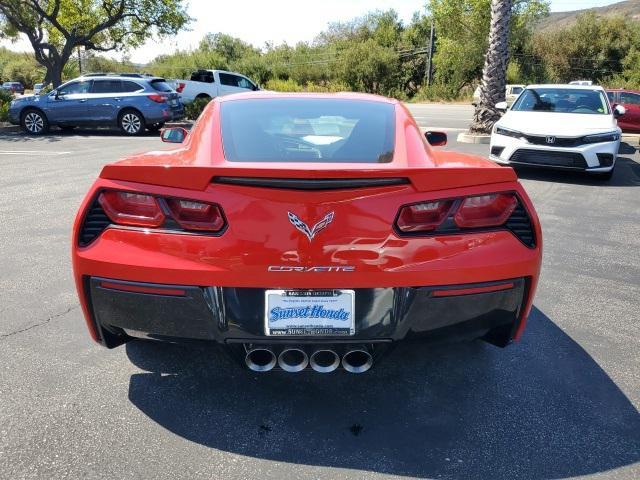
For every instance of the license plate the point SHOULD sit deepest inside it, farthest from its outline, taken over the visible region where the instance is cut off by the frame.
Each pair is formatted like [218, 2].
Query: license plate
[309, 312]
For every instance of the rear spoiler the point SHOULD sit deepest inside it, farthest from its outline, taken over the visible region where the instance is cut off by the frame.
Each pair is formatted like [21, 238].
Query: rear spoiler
[199, 177]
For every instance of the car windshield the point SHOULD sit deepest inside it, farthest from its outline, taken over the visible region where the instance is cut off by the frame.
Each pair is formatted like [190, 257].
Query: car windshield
[307, 129]
[562, 100]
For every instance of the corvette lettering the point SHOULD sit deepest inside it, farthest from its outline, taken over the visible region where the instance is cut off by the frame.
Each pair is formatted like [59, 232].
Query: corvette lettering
[287, 268]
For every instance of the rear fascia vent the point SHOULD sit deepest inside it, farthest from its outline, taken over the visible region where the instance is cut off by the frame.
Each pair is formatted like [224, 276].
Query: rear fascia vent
[311, 183]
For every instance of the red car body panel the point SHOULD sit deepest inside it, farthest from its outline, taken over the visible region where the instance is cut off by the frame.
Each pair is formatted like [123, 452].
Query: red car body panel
[630, 121]
[259, 234]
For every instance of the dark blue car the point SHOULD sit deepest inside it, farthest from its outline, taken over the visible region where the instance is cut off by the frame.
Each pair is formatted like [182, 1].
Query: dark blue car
[132, 104]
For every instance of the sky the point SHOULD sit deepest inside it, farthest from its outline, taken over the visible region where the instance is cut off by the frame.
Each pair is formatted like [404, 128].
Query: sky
[277, 21]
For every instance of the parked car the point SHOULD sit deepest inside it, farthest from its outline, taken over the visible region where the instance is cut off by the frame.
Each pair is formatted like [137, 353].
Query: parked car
[129, 103]
[306, 247]
[210, 84]
[37, 88]
[571, 127]
[630, 100]
[14, 87]
[511, 93]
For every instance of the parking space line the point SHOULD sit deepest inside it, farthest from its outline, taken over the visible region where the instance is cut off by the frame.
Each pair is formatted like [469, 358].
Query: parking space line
[31, 152]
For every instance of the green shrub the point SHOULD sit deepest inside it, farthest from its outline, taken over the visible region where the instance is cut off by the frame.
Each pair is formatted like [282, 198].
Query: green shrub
[5, 99]
[193, 110]
[279, 85]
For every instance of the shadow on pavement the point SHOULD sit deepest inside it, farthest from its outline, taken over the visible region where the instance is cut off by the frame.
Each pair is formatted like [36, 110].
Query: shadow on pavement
[55, 135]
[626, 174]
[540, 409]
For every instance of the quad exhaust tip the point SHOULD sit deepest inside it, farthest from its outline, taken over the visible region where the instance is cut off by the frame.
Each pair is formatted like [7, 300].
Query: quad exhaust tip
[324, 361]
[293, 360]
[260, 359]
[357, 360]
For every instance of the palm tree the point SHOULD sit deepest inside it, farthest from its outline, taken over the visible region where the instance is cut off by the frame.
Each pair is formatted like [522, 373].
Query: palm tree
[493, 85]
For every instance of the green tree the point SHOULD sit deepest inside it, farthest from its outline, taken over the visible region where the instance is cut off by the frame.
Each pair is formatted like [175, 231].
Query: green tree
[55, 28]
[594, 48]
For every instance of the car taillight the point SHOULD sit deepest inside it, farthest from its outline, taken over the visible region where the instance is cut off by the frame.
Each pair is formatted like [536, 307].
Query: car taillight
[192, 215]
[131, 209]
[423, 217]
[180, 87]
[454, 214]
[157, 98]
[485, 210]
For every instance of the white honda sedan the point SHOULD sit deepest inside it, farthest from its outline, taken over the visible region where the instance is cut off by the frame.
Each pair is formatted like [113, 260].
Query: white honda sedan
[570, 127]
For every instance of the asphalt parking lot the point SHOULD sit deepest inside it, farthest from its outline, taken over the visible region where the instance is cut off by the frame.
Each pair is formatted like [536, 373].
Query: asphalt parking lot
[562, 403]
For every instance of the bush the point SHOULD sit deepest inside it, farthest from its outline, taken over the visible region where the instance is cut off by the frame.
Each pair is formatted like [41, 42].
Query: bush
[278, 85]
[5, 99]
[193, 110]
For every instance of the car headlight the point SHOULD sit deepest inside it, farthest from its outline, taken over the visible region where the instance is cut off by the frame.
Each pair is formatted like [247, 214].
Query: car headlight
[602, 137]
[507, 132]
[13, 102]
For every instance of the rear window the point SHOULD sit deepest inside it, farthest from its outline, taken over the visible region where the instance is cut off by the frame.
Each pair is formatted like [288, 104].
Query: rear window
[307, 130]
[161, 86]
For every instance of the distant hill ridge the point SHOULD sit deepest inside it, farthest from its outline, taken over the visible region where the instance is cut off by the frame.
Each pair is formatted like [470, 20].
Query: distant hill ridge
[629, 9]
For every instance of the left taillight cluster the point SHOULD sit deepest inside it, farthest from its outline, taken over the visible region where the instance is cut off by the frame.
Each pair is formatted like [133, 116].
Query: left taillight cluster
[457, 214]
[134, 209]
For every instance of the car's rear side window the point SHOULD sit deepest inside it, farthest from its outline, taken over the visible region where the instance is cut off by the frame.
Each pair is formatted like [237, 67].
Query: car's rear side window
[105, 86]
[308, 130]
[160, 85]
[128, 87]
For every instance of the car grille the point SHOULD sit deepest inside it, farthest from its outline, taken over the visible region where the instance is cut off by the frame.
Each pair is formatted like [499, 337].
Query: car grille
[549, 158]
[557, 141]
[94, 224]
[520, 225]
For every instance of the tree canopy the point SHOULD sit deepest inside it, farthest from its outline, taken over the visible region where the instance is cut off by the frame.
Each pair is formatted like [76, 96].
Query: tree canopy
[56, 27]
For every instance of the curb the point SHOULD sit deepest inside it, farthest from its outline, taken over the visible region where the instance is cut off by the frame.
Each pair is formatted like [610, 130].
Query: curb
[473, 138]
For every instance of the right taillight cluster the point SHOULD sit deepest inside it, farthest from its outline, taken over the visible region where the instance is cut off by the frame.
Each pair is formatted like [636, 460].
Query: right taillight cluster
[457, 214]
[134, 209]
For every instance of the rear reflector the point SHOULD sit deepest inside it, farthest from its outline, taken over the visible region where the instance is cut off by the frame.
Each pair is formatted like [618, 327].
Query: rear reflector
[471, 290]
[485, 210]
[125, 208]
[423, 217]
[127, 287]
[192, 215]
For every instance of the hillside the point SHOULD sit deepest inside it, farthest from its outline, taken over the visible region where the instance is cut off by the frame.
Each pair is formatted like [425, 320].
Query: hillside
[629, 9]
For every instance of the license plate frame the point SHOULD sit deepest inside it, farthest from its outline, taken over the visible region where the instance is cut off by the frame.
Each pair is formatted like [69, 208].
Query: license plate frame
[303, 309]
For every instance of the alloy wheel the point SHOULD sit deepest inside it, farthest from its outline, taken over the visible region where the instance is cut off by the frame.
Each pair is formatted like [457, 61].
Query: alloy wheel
[131, 123]
[34, 122]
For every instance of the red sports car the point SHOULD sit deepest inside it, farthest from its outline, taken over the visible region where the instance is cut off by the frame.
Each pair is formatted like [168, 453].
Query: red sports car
[306, 230]
[630, 100]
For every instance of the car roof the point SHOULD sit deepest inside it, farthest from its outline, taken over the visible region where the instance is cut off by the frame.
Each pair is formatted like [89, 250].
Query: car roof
[566, 85]
[116, 77]
[261, 95]
[629, 90]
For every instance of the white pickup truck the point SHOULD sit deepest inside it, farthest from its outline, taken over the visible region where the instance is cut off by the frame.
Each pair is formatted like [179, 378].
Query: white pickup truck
[208, 84]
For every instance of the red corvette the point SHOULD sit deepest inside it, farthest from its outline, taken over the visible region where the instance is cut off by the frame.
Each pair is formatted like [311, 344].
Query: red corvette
[306, 231]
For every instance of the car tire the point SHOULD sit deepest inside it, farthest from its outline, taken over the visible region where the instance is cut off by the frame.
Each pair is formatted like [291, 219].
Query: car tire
[155, 127]
[131, 122]
[203, 96]
[34, 122]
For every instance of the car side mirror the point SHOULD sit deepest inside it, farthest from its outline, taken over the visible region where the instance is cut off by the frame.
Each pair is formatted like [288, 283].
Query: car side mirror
[502, 106]
[619, 110]
[436, 139]
[173, 135]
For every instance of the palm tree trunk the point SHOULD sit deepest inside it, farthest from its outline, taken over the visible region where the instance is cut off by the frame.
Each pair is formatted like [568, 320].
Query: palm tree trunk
[492, 89]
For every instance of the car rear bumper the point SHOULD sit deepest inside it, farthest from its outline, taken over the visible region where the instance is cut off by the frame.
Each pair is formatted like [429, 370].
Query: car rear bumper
[227, 315]
[595, 157]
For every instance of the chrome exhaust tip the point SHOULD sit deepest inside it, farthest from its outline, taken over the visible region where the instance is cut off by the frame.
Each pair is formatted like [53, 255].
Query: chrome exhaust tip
[293, 360]
[324, 361]
[260, 359]
[357, 360]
